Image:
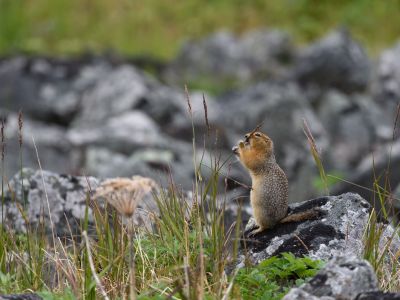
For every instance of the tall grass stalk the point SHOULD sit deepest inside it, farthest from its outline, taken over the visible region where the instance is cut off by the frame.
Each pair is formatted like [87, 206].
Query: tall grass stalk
[24, 200]
[377, 237]
[316, 155]
[3, 249]
[92, 268]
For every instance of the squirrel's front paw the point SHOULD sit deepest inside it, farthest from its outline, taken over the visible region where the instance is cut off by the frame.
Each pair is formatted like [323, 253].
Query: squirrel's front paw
[240, 146]
[235, 150]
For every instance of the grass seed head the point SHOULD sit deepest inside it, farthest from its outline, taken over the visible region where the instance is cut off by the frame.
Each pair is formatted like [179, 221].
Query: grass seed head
[20, 127]
[124, 194]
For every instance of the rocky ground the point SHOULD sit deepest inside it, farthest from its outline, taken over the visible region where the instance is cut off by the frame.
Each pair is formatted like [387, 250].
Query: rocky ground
[336, 235]
[106, 117]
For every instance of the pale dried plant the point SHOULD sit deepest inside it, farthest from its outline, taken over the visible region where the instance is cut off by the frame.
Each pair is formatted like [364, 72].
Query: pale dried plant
[125, 202]
[124, 194]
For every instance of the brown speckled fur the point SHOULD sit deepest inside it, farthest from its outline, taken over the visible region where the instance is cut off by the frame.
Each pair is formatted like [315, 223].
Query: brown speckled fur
[269, 194]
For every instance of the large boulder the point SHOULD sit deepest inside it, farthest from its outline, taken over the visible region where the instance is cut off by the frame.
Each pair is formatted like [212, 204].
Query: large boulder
[381, 166]
[157, 163]
[62, 201]
[52, 145]
[60, 198]
[125, 133]
[378, 295]
[338, 231]
[334, 61]
[348, 116]
[336, 236]
[343, 277]
[47, 89]
[30, 296]
[388, 73]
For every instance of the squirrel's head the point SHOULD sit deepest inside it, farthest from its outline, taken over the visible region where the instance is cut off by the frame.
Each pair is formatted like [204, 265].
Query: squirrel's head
[255, 151]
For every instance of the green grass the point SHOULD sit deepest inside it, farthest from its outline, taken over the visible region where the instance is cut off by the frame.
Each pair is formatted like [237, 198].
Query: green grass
[159, 27]
[184, 257]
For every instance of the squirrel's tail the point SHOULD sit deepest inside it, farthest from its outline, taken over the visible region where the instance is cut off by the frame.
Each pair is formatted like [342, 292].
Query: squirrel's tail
[302, 216]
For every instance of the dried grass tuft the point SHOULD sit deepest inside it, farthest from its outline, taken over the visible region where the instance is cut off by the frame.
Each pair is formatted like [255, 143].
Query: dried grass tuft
[124, 194]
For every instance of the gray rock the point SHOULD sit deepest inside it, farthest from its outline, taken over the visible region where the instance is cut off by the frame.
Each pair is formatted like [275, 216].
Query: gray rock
[362, 178]
[65, 197]
[180, 124]
[117, 92]
[154, 163]
[338, 231]
[45, 89]
[348, 116]
[29, 296]
[378, 295]
[343, 277]
[225, 58]
[51, 142]
[389, 75]
[124, 133]
[335, 61]
[125, 88]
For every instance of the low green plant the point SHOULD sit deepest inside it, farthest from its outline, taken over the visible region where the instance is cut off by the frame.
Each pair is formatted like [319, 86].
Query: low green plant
[7, 283]
[67, 294]
[273, 277]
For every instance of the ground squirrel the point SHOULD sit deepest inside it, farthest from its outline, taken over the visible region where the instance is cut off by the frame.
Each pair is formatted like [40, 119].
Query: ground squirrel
[269, 192]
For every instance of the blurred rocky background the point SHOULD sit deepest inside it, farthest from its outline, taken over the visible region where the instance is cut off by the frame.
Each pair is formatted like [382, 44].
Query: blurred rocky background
[124, 112]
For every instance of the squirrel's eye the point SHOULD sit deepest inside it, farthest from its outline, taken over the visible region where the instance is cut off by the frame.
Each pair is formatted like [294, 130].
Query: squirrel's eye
[257, 134]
